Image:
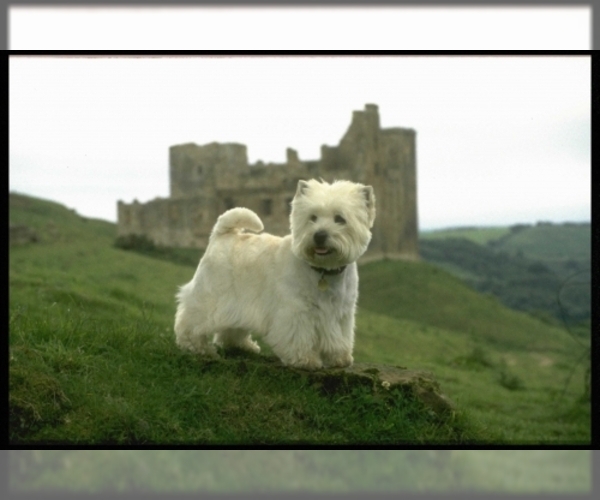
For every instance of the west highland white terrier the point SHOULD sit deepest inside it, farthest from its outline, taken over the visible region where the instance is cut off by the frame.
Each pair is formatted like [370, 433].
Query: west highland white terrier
[299, 292]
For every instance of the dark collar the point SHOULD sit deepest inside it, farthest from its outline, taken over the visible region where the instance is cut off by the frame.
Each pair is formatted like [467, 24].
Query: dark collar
[328, 272]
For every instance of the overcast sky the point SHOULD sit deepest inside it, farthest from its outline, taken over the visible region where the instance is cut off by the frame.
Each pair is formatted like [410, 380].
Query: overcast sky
[338, 26]
[500, 140]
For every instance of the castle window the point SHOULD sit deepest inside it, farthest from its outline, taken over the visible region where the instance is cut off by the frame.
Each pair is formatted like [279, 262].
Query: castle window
[267, 207]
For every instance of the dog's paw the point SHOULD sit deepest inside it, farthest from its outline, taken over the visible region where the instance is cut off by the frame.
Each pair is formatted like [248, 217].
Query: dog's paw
[208, 351]
[198, 345]
[341, 360]
[250, 346]
[310, 363]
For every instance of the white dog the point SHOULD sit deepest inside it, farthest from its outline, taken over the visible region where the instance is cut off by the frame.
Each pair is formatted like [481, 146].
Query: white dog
[298, 291]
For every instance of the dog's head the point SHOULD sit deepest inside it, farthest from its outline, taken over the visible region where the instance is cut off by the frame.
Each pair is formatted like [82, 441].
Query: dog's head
[331, 223]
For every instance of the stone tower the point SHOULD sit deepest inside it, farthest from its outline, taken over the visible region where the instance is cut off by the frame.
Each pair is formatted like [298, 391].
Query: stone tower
[207, 180]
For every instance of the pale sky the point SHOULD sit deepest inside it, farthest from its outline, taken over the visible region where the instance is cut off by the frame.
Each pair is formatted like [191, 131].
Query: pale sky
[500, 140]
[392, 26]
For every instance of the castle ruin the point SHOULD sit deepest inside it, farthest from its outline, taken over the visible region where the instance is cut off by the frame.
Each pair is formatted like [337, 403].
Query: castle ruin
[207, 180]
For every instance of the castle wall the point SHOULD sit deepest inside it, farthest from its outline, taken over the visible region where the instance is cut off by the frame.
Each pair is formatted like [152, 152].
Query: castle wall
[394, 182]
[194, 168]
[208, 180]
[187, 221]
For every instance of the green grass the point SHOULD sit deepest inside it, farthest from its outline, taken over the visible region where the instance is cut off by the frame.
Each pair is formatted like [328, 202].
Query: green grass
[424, 293]
[525, 471]
[93, 358]
[84, 380]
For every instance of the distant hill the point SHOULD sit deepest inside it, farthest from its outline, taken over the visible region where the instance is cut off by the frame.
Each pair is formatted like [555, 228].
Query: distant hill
[552, 243]
[548, 242]
[53, 222]
[475, 234]
[544, 268]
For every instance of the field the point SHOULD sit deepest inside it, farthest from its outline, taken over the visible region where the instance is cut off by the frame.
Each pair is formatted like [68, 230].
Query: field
[237, 471]
[93, 359]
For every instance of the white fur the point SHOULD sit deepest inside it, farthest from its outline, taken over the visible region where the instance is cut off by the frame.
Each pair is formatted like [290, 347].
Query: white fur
[265, 284]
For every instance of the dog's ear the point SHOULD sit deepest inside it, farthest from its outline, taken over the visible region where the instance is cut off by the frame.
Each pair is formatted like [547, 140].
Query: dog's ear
[302, 187]
[369, 195]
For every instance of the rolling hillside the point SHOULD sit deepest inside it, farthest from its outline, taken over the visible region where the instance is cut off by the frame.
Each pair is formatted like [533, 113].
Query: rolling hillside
[543, 241]
[548, 242]
[543, 269]
[480, 235]
[93, 360]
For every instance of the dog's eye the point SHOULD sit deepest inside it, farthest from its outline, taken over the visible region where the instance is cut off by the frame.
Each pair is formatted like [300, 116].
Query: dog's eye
[339, 219]
[313, 218]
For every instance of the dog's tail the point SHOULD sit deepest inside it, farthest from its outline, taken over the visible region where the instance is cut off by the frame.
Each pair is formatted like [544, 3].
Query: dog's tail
[235, 220]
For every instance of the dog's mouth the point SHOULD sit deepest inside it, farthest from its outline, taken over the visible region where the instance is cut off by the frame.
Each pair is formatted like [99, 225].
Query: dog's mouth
[323, 250]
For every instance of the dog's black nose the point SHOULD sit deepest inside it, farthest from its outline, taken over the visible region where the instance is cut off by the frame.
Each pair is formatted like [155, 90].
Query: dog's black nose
[320, 237]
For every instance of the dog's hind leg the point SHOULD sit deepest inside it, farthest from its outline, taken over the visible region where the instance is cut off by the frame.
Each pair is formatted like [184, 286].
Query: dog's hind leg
[194, 326]
[193, 335]
[195, 341]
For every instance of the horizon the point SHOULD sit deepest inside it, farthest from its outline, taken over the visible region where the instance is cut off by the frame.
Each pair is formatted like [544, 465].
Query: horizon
[420, 230]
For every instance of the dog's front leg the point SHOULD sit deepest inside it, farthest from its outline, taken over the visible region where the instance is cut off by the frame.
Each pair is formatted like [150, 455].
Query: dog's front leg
[293, 339]
[338, 350]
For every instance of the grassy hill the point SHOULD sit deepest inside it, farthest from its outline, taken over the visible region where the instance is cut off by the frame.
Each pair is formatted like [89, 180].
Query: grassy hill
[543, 269]
[557, 294]
[544, 241]
[548, 242]
[93, 358]
[563, 247]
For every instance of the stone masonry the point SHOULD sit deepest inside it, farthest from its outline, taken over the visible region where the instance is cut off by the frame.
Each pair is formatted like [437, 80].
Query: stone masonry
[207, 180]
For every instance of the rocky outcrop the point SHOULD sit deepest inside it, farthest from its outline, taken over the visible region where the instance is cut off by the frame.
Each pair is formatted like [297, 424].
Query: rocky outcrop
[383, 379]
[420, 384]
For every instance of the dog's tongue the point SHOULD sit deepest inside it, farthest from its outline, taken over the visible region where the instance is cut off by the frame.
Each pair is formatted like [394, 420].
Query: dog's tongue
[321, 251]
